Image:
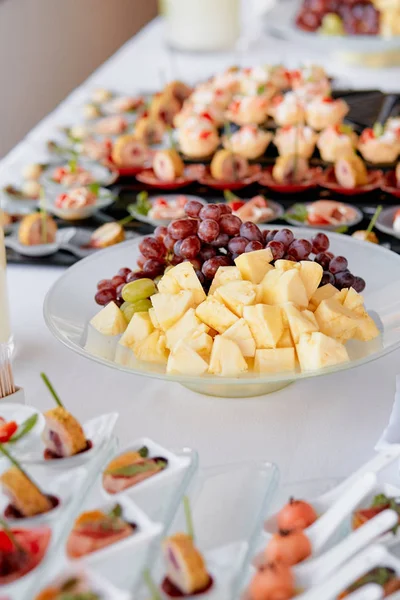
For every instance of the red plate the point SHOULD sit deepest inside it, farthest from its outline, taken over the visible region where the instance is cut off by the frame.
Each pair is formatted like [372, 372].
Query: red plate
[192, 173]
[389, 184]
[217, 184]
[311, 181]
[328, 181]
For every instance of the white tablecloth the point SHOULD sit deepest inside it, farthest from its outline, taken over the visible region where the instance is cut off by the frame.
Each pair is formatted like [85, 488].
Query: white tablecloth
[323, 427]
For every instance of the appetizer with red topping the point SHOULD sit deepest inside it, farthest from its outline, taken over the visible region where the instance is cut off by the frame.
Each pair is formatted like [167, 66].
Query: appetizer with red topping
[290, 169]
[72, 174]
[383, 576]
[379, 503]
[37, 229]
[273, 581]
[351, 172]
[228, 166]
[198, 137]
[296, 514]
[163, 107]
[248, 110]
[168, 165]
[21, 551]
[295, 139]
[287, 110]
[336, 141]
[131, 468]
[256, 210]
[95, 529]
[379, 145]
[167, 208]
[186, 570]
[324, 112]
[179, 90]
[7, 430]
[112, 125]
[128, 151]
[249, 141]
[72, 588]
[330, 212]
[207, 93]
[76, 198]
[96, 149]
[149, 130]
[122, 104]
[310, 81]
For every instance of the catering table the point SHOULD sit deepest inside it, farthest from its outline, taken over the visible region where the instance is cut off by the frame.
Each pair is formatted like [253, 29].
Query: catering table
[321, 427]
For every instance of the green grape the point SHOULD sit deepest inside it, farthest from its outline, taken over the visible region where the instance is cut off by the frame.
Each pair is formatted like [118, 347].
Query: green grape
[332, 24]
[129, 309]
[138, 290]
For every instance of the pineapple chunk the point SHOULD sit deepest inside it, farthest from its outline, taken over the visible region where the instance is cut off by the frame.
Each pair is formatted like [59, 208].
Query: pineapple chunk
[152, 349]
[170, 308]
[183, 328]
[224, 275]
[153, 318]
[285, 265]
[201, 342]
[241, 334]
[366, 328]
[168, 284]
[311, 275]
[110, 320]
[317, 350]
[226, 358]
[354, 301]
[286, 340]
[323, 293]
[265, 324]
[311, 317]
[341, 296]
[185, 361]
[285, 286]
[139, 328]
[236, 294]
[186, 277]
[275, 360]
[335, 320]
[215, 315]
[254, 265]
[299, 323]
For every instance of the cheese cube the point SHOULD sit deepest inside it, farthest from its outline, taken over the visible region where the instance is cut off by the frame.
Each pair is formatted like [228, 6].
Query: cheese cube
[240, 333]
[170, 308]
[201, 342]
[254, 265]
[152, 349]
[299, 322]
[266, 324]
[224, 275]
[186, 277]
[335, 320]
[322, 293]
[237, 294]
[311, 275]
[139, 328]
[110, 320]
[317, 351]
[226, 359]
[275, 360]
[215, 315]
[183, 360]
[286, 265]
[184, 327]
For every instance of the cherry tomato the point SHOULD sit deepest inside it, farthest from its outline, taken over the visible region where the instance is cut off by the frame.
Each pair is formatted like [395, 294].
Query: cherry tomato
[7, 430]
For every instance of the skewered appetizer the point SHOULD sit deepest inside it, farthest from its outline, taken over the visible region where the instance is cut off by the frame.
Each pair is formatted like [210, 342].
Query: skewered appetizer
[336, 141]
[366, 236]
[26, 499]
[179, 90]
[73, 588]
[21, 550]
[296, 514]
[186, 570]
[329, 212]
[249, 141]
[95, 529]
[131, 468]
[297, 140]
[273, 581]
[72, 174]
[164, 106]
[76, 198]
[198, 137]
[213, 113]
[96, 149]
[290, 169]
[37, 229]
[379, 145]
[122, 104]
[107, 235]
[383, 576]
[255, 210]
[324, 112]
[112, 125]
[379, 503]
[168, 165]
[207, 93]
[149, 130]
[228, 166]
[33, 172]
[128, 151]
[287, 110]
[351, 172]
[248, 110]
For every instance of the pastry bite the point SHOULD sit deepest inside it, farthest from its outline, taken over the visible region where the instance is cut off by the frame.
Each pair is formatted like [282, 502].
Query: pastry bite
[179, 90]
[107, 235]
[131, 468]
[207, 93]
[76, 198]
[297, 140]
[228, 79]
[324, 112]
[379, 503]
[164, 106]
[63, 435]
[309, 82]
[26, 499]
[96, 529]
[228, 166]
[249, 141]
[289, 547]
[248, 110]
[168, 165]
[198, 137]
[273, 581]
[279, 76]
[128, 151]
[72, 174]
[123, 104]
[112, 125]
[257, 80]
[21, 551]
[351, 172]
[290, 169]
[296, 514]
[96, 149]
[186, 569]
[215, 114]
[287, 109]
[149, 130]
[336, 141]
[71, 587]
[379, 145]
[37, 229]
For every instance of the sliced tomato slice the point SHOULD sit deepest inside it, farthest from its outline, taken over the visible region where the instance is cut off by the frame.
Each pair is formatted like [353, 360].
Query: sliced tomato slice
[317, 220]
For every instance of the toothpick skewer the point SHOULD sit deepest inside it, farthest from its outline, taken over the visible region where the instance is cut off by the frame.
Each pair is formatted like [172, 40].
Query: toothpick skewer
[7, 385]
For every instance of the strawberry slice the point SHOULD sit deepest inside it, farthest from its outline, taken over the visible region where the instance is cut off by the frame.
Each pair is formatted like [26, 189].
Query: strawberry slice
[7, 430]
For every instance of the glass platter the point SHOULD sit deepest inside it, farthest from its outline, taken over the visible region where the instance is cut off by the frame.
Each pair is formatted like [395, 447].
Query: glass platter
[69, 305]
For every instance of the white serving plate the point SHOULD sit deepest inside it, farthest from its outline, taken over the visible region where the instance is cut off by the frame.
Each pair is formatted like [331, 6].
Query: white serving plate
[20, 413]
[63, 237]
[105, 198]
[357, 218]
[385, 221]
[67, 314]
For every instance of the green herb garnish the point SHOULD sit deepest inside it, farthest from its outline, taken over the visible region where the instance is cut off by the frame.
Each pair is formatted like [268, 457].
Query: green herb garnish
[261, 89]
[346, 129]
[341, 229]
[143, 204]
[298, 212]
[94, 188]
[231, 197]
[380, 500]
[155, 594]
[188, 517]
[380, 575]
[143, 451]
[51, 390]
[374, 219]
[116, 512]
[378, 129]
[12, 537]
[73, 165]
[23, 429]
[136, 469]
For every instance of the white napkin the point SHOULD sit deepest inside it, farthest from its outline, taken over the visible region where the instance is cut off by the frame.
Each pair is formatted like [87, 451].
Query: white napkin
[391, 434]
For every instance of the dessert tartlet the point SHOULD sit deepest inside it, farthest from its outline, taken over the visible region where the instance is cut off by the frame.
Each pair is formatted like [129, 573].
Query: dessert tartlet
[324, 112]
[198, 137]
[297, 140]
[379, 145]
[336, 141]
[248, 110]
[287, 110]
[249, 141]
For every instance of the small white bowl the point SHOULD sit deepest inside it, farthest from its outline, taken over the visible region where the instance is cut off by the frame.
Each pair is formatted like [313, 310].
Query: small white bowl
[357, 218]
[386, 219]
[104, 199]
[20, 413]
[168, 198]
[100, 174]
[63, 236]
[122, 562]
[98, 430]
